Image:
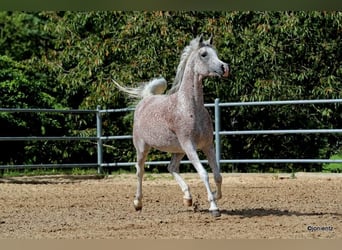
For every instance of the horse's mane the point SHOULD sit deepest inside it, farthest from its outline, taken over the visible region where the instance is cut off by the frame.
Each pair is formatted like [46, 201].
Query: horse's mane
[157, 86]
[193, 45]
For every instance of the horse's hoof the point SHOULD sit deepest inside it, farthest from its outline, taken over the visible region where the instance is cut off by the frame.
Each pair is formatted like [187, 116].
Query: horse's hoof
[187, 202]
[137, 205]
[217, 196]
[138, 208]
[215, 213]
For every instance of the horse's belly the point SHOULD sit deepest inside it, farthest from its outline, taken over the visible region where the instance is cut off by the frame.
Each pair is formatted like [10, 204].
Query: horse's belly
[157, 135]
[162, 139]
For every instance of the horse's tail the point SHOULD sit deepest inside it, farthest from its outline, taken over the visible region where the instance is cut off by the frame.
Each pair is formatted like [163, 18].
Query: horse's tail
[156, 86]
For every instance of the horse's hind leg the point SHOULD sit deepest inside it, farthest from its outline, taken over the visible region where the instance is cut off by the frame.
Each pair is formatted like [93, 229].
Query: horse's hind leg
[174, 170]
[140, 167]
[210, 154]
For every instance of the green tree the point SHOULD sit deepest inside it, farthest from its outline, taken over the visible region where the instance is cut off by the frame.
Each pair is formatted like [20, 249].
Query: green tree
[283, 56]
[70, 58]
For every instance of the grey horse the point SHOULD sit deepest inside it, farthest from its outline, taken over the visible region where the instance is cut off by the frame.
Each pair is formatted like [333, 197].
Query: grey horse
[177, 122]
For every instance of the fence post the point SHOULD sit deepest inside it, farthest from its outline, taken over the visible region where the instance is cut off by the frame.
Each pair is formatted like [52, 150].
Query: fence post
[99, 140]
[217, 132]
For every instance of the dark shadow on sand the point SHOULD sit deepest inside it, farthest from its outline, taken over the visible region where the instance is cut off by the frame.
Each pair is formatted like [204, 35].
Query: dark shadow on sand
[262, 212]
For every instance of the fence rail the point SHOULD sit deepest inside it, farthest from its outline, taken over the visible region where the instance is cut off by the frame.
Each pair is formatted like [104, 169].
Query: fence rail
[217, 134]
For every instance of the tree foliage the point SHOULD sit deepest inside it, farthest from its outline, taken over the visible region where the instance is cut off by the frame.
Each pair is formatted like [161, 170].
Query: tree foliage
[68, 60]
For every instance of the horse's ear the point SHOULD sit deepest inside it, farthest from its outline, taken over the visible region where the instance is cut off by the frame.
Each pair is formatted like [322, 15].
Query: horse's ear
[210, 40]
[200, 39]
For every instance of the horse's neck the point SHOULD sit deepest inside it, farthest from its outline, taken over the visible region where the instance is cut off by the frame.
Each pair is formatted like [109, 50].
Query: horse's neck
[190, 93]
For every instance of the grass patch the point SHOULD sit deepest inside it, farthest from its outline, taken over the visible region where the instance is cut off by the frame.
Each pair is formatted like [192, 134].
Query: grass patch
[150, 175]
[47, 171]
[333, 167]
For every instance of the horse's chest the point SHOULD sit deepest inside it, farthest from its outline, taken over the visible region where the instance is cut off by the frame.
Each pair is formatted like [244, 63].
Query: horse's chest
[193, 125]
[202, 131]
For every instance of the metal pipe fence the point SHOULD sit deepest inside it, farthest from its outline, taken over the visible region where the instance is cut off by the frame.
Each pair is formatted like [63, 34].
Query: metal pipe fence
[99, 138]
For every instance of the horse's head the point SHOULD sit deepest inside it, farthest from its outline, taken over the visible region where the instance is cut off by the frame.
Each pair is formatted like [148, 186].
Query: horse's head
[206, 60]
[199, 57]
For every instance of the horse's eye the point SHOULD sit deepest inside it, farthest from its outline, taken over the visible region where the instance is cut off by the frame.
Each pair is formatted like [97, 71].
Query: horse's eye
[204, 54]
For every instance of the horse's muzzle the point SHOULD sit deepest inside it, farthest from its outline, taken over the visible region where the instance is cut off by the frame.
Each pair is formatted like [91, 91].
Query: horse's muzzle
[225, 69]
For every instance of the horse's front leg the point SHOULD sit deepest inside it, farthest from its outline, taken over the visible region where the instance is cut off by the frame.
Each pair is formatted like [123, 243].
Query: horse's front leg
[190, 151]
[174, 170]
[211, 156]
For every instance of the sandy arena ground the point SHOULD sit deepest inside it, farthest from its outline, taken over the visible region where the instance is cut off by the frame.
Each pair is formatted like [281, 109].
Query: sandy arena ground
[256, 206]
